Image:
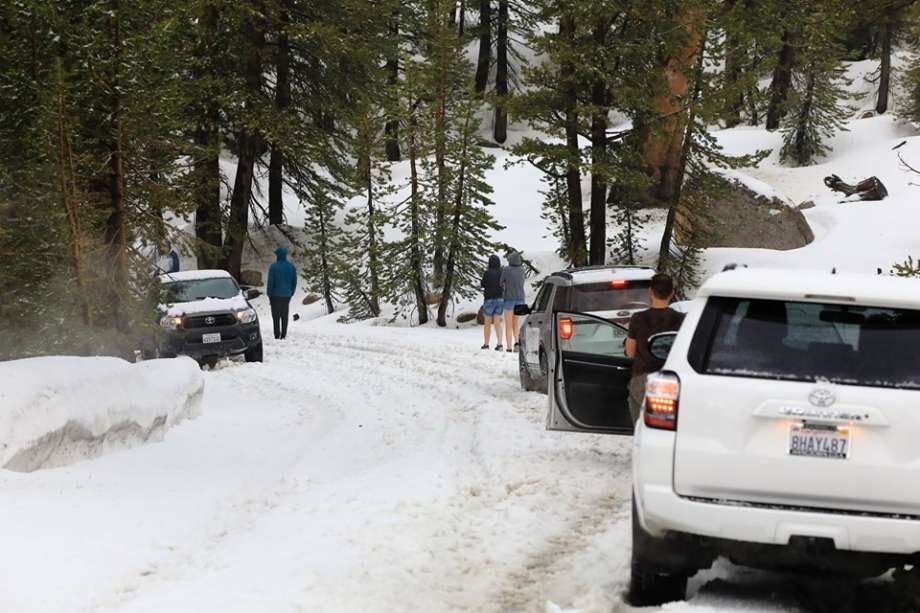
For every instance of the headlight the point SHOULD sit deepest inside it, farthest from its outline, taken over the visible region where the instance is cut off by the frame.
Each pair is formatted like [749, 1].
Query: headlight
[246, 316]
[171, 322]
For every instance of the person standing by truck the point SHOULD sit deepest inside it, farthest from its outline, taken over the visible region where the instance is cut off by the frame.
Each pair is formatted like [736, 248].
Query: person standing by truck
[642, 326]
[512, 282]
[282, 281]
[492, 304]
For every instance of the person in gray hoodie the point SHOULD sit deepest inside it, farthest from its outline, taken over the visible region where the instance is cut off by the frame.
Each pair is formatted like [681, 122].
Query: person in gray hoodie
[512, 282]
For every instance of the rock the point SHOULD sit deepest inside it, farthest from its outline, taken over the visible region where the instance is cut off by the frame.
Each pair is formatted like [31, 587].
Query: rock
[467, 317]
[251, 277]
[433, 298]
[311, 298]
[808, 204]
[480, 318]
[743, 218]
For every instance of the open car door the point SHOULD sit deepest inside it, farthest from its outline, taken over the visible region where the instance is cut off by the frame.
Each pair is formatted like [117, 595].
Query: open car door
[588, 376]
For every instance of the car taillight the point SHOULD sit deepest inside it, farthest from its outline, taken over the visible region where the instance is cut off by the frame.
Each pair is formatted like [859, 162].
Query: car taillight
[662, 395]
[566, 328]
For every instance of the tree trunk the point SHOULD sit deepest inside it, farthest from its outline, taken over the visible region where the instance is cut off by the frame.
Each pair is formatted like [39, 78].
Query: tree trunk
[500, 132]
[801, 148]
[661, 142]
[440, 151]
[324, 259]
[484, 61]
[599, 180]
[733, 74]
[454, 231]
[282, 102]
[884, 79]
[461, 20]
[418, 273]
[249, 142]
[373, 255]
[664, 250]
[206, 160]
[391, 129]
[68, 198]
[579, 253]
[782, 80]
[116, 234]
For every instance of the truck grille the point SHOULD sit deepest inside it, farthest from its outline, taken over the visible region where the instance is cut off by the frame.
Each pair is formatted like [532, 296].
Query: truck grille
[209, 321]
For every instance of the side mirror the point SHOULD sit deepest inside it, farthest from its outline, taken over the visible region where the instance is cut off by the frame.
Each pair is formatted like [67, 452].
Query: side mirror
[522, 309]
[659, 345]
[252, 293]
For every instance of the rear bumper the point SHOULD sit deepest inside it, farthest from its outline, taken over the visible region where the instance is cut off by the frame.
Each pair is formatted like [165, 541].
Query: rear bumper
[759, 536]
[663, 510]
[777, 538]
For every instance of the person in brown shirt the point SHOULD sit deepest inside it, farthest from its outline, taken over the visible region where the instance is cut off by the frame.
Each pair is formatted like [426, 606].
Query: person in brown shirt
[642, 326]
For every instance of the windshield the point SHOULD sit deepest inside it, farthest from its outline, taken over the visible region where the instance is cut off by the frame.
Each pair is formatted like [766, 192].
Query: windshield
[189, 291]
[806, 341]
[605, 297]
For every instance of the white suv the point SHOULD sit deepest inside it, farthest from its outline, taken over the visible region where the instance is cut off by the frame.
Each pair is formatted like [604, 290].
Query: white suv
[782, 432]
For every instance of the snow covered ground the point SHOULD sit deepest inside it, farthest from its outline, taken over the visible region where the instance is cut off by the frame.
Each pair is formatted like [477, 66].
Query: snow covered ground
[59, 410]
[378, 468]
[360, 468]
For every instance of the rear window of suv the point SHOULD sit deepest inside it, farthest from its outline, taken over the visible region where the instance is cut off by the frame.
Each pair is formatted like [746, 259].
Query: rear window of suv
[806, 341]
[609, 297]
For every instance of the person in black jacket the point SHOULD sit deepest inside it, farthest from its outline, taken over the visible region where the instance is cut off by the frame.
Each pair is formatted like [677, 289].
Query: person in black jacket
[493, 304]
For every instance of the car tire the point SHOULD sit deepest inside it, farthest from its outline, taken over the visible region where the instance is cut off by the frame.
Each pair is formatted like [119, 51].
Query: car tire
[527, 382]
[543, 383]
[648, 585]
[254, 354]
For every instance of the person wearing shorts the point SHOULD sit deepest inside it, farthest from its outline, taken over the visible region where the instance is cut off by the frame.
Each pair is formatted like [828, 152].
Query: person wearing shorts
[493, 302]
[512, 282]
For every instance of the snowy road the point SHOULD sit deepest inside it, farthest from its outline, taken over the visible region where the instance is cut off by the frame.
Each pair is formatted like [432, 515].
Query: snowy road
[359, 469]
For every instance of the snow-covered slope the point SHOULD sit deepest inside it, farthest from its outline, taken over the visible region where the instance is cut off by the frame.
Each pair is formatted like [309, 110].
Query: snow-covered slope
[59, 410]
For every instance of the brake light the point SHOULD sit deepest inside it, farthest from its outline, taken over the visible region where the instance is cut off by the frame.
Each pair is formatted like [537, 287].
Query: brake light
[619, 283]
[662, 395]
[566, 328]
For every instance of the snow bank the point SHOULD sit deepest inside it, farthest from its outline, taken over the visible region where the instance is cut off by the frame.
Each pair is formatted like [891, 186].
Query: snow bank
[60, 410]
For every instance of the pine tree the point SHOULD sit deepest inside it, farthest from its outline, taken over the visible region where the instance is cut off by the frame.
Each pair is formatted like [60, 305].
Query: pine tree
[815, 111]
[323, 260]
[470, 223]
[628, 243]
[405, 272]
[364, 269]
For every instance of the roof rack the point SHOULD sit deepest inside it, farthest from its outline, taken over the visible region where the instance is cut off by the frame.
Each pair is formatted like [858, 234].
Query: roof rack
[567, 272]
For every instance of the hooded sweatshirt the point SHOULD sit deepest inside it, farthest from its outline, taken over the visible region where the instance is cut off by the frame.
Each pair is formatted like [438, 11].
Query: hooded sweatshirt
[491, 280]
[282, 276]
[512, 278]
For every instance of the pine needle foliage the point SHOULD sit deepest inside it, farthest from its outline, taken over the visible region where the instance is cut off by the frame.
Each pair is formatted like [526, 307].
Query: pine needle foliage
[816, 111]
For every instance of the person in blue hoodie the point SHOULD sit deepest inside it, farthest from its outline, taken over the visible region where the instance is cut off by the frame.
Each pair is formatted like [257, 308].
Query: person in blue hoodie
[282, 281]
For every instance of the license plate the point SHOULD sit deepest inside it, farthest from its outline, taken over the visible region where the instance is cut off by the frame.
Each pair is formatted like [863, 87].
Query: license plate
[819, 442]
[211, 338]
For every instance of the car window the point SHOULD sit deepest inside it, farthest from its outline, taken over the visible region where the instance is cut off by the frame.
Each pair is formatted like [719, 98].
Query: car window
[805, 341]
[543, 297]
[611, 296]
[198, 289]
[595, 337]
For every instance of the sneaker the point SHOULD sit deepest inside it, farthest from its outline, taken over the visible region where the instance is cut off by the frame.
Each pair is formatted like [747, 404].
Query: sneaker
[484, 347]
[517, 347]
[498, 347]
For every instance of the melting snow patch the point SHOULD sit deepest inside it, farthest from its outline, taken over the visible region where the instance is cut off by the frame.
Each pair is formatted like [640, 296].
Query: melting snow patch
[56, 411]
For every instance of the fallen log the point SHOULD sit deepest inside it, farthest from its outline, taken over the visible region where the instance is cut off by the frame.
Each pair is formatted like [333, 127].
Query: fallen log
[867, 189]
